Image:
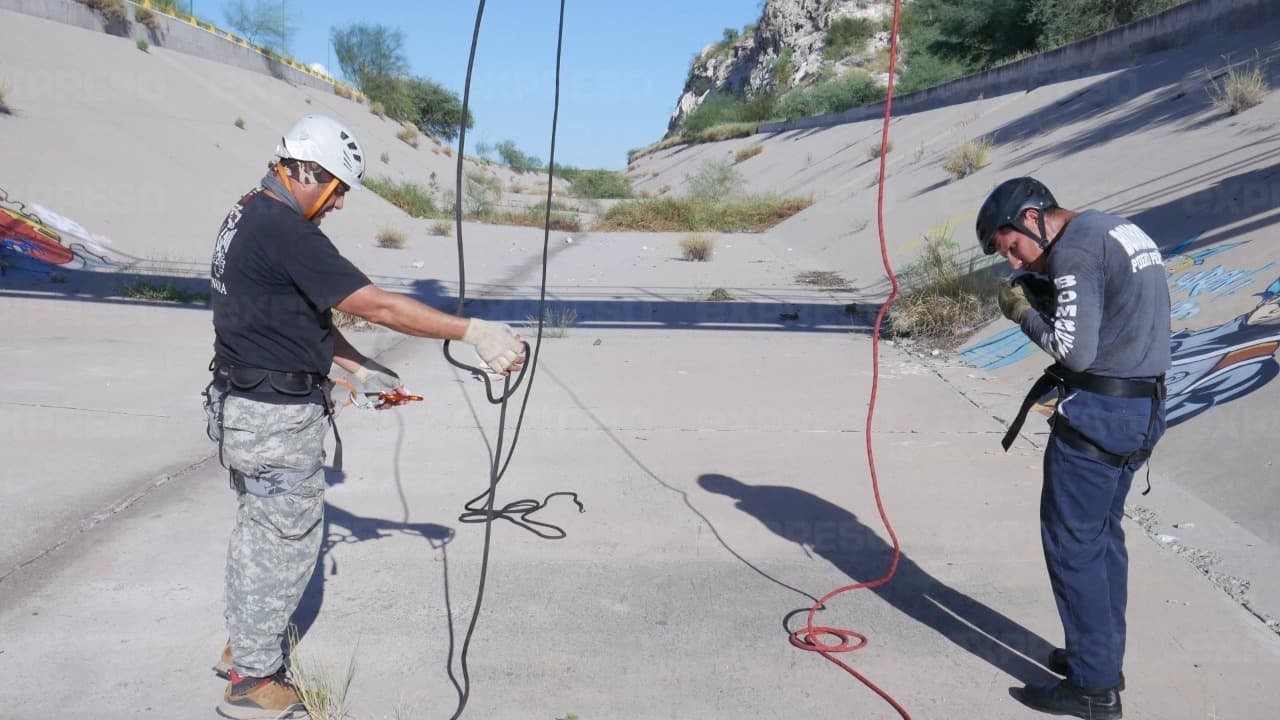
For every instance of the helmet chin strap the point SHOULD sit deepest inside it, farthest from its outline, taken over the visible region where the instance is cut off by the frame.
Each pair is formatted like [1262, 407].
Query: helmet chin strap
[1043, 239]
[324, 197]
[319, 203]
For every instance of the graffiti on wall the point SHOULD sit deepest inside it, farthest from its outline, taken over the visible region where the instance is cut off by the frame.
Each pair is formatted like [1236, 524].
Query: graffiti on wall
[1211, 365]
[47, 240]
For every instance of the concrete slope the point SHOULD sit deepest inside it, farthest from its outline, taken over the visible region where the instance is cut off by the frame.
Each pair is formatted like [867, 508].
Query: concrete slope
[717, 447]
[1145, 141]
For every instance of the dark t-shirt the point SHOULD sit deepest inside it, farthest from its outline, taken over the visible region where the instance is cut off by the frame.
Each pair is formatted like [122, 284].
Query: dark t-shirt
[1112, 314]
[275, 278]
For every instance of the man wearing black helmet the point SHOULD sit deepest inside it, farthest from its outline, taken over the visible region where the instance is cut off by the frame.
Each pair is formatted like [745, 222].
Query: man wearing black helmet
[1091, 291]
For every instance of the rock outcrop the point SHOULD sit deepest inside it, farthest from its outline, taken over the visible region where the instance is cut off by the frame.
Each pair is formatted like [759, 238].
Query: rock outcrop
[784, 50]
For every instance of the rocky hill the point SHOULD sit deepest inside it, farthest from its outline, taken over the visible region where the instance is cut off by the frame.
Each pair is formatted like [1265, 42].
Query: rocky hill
[795, 42]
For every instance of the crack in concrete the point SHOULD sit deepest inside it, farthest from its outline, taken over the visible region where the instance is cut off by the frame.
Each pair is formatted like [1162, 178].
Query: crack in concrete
[103, 515]
[80, 409]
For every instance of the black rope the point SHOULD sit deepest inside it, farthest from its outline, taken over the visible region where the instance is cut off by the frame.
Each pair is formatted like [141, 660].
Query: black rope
[522, 508]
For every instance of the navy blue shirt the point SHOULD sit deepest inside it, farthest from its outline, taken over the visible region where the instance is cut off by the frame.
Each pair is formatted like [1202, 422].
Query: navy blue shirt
[1112, 315]
[275, 278]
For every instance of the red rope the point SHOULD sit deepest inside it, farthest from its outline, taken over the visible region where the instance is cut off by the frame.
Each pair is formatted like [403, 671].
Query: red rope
[810, 636]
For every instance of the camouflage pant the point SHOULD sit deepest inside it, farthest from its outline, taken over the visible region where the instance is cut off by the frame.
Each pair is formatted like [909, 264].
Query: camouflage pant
[276, 539]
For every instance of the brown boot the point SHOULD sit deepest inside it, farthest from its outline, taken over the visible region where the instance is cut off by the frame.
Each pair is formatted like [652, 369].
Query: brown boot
[223, 668]
[268, 698]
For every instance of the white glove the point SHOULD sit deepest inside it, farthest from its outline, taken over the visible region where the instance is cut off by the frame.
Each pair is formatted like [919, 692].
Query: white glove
[495, 343]
[376, 377]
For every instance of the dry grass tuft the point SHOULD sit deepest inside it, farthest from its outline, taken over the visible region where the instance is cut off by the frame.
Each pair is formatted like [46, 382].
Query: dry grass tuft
[112, 10]
[323, 696]
[390, 238]
[944, 301]
[746, 153]
[441, 228]
[378, 109]
[342, 91]
[874, 150]
[408, 135]
[969, 158]
[720, 295]
[1241, 88]
[555, 321]
[145, 17]
[697, 247]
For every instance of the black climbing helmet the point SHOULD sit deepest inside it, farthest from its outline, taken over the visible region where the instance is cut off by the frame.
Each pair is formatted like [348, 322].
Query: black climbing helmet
[1004, 207]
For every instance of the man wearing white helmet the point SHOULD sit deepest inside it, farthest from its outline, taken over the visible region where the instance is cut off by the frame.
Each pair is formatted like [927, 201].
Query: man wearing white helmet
[276, 279]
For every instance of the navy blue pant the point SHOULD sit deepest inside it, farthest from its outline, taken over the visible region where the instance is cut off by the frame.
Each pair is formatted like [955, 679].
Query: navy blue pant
[1081, 509]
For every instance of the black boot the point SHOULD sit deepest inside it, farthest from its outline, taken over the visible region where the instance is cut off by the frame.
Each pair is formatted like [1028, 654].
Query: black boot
[1067, 699]
[1058, 664]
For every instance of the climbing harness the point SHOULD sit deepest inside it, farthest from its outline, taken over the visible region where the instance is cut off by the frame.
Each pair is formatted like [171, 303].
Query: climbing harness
[1060, 378]
[247, 382]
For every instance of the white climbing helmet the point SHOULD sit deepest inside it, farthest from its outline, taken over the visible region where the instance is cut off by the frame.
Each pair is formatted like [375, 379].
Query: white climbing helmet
[329, 144]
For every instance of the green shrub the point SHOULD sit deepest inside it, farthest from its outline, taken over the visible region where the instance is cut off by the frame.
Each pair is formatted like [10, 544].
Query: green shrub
[481, 193]
[597, 184]
[409, 197]
[718, 133]
[533, 217]
[848, 36]
[142, 45]
[923, 70]
[239, 123]
[714, 180]
[691, 215]
[943, 301]
[143, 289]
[516, 159]
[854, 89]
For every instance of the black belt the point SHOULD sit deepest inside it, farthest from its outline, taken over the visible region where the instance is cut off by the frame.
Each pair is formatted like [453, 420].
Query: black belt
[230, 376]
[1064, 379]
[259, 380]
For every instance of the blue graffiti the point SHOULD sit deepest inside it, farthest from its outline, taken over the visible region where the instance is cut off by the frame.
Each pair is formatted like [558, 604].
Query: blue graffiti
[1000, 350]
[1218, 282]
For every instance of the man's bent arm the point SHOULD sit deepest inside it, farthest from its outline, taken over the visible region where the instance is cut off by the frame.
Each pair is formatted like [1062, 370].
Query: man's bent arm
[345, 355]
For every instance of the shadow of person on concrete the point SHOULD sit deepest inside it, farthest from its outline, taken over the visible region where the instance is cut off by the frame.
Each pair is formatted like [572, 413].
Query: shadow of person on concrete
[836, 535]
[342, 527]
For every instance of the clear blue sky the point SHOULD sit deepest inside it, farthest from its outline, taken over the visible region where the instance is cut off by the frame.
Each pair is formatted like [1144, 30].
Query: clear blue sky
[624, 63]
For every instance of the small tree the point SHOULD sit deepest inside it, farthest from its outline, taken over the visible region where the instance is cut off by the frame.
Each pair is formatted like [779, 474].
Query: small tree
[369, 52]
[272, 23]
[515, 158]
[714, 181]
